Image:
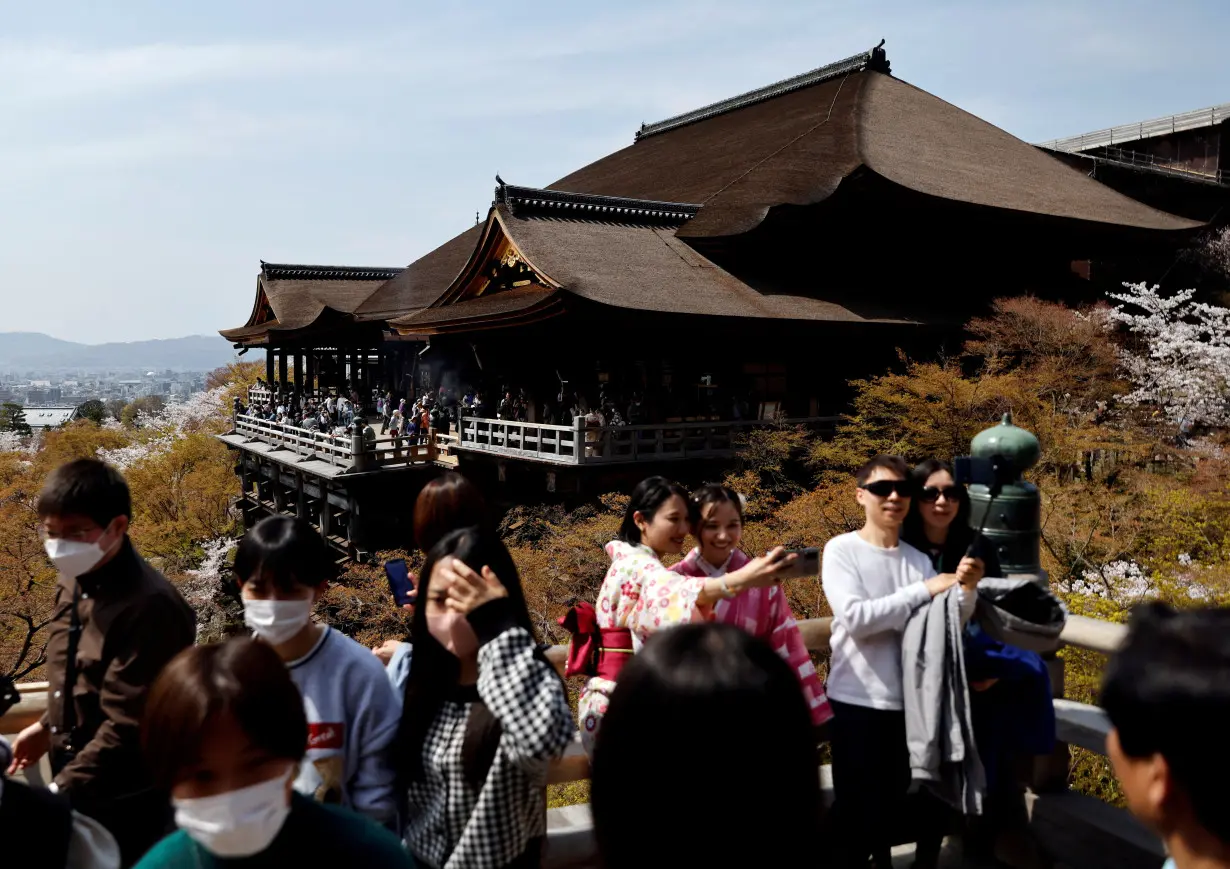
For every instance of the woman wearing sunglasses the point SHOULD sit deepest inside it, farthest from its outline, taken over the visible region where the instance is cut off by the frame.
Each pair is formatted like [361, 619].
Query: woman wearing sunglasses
[938, 525]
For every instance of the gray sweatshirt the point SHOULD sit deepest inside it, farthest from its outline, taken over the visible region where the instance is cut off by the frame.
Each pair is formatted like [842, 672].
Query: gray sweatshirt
[938, 725]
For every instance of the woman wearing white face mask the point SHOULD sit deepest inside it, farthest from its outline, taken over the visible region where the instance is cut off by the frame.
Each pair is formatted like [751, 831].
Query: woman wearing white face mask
[485, 713]
[223, 731]
[282, 567]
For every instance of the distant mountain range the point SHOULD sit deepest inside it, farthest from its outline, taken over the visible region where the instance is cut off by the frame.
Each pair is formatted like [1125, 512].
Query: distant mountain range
[22, 351]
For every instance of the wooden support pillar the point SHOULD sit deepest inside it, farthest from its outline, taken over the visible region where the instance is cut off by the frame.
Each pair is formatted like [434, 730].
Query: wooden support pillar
[310, 371]
[301, 505]
[269, 367]
[279, 494]
[298, 372]
[282, 365]
[326, 513]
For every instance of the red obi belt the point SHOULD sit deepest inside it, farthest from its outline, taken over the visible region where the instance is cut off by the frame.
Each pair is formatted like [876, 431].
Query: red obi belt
[595, 651]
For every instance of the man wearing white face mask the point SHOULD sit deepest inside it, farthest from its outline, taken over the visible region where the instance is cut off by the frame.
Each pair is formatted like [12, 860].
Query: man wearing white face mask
[282, 567]
[116, 623]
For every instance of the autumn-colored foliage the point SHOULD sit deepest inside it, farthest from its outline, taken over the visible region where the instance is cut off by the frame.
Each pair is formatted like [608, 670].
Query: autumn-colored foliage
[1128, 512]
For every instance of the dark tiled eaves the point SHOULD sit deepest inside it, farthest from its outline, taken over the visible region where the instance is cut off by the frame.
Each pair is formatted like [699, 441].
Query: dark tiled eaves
[282, 272]
[531, 201]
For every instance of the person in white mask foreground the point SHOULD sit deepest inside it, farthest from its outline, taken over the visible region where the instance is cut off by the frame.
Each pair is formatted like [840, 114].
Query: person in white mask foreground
[224, 732]
[116, 622]
[283, 568]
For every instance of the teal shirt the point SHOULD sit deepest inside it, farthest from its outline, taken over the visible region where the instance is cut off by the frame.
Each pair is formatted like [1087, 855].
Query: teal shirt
[313, 835]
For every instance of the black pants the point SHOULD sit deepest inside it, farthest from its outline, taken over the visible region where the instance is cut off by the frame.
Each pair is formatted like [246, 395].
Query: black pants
[871, 780]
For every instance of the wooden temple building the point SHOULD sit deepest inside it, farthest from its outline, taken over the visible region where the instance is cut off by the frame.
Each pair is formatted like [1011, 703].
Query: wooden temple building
[733, 265]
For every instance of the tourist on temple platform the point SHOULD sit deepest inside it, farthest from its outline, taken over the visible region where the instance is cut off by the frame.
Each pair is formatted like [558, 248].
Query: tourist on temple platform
[594, 421]
[116, 622]
[507, 409]
[225, 733]
[424, 425]
[1167, 693]
[874, 582]
[283, 569]
[445, 504]
[384, 424]
[744, 788]
[396, 427]
[715, 514]
[310, 422]
[636, 410]
[639, 596]
[485, 713]
[331, 407]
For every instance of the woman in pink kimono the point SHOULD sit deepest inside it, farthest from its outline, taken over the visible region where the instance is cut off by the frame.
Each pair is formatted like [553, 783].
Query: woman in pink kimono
[716, 516]
[640, 596]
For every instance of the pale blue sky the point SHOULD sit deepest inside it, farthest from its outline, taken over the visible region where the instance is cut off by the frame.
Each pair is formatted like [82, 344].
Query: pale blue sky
[152, 152]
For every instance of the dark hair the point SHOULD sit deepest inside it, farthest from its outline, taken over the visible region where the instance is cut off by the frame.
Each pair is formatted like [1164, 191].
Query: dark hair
[649, 495]
[896, 464]
[436, 670]
[241, 677]
[286, 551]
[912, 529]
[713, 493]
[85, 487]
[446, 503]
[1167, 692]
[696, 685]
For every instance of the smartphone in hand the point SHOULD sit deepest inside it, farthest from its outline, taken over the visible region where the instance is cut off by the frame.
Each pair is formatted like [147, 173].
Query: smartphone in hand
[806, 563]
[400, 582]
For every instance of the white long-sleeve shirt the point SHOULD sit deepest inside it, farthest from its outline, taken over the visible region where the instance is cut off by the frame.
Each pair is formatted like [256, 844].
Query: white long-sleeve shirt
[353, 714]
[872, 592]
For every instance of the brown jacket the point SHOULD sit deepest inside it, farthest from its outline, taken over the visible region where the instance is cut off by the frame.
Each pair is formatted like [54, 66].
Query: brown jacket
[133, 621]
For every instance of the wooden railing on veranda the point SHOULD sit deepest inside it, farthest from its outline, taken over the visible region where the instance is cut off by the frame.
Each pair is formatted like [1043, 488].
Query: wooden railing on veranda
[578, 444]
[348, 451]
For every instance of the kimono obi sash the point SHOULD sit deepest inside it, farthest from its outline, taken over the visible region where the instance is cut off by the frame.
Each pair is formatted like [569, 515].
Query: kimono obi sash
[595, 651]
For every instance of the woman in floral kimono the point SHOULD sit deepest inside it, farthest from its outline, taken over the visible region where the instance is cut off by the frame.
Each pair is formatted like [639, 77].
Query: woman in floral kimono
[640, 596]
[716, 516]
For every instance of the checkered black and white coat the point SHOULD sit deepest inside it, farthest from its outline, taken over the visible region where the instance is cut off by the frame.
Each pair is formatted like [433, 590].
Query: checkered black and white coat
[451, 825]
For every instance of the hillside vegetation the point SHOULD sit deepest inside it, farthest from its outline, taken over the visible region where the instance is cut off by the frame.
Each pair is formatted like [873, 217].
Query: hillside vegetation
[1133, 475]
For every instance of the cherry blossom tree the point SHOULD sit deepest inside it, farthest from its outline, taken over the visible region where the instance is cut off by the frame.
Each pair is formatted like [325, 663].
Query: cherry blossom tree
[1181, 359]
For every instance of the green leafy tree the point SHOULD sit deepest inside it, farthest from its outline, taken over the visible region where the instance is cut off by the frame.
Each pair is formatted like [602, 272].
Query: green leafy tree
[13, 418]
[115, 407]
[93, 410]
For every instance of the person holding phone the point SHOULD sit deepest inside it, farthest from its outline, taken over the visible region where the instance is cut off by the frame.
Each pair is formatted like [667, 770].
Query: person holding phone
[640, 596]
[448, 502]
[938, 525]
[716, 515]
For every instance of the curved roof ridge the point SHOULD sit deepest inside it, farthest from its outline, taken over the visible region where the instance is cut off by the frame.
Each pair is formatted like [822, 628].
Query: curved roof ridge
[874, 59]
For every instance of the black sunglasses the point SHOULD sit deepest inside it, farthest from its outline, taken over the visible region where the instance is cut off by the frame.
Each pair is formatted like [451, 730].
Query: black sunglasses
[931, 494]
[884, 488]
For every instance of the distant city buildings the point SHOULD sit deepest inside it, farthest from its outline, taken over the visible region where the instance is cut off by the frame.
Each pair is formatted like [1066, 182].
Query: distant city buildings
[49, 401]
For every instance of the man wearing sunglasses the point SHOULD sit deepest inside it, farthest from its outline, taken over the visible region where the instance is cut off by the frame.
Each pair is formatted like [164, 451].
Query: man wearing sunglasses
[874, 582]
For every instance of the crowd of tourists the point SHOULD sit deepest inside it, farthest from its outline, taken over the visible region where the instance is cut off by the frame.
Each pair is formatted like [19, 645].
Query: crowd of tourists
[702, 713]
